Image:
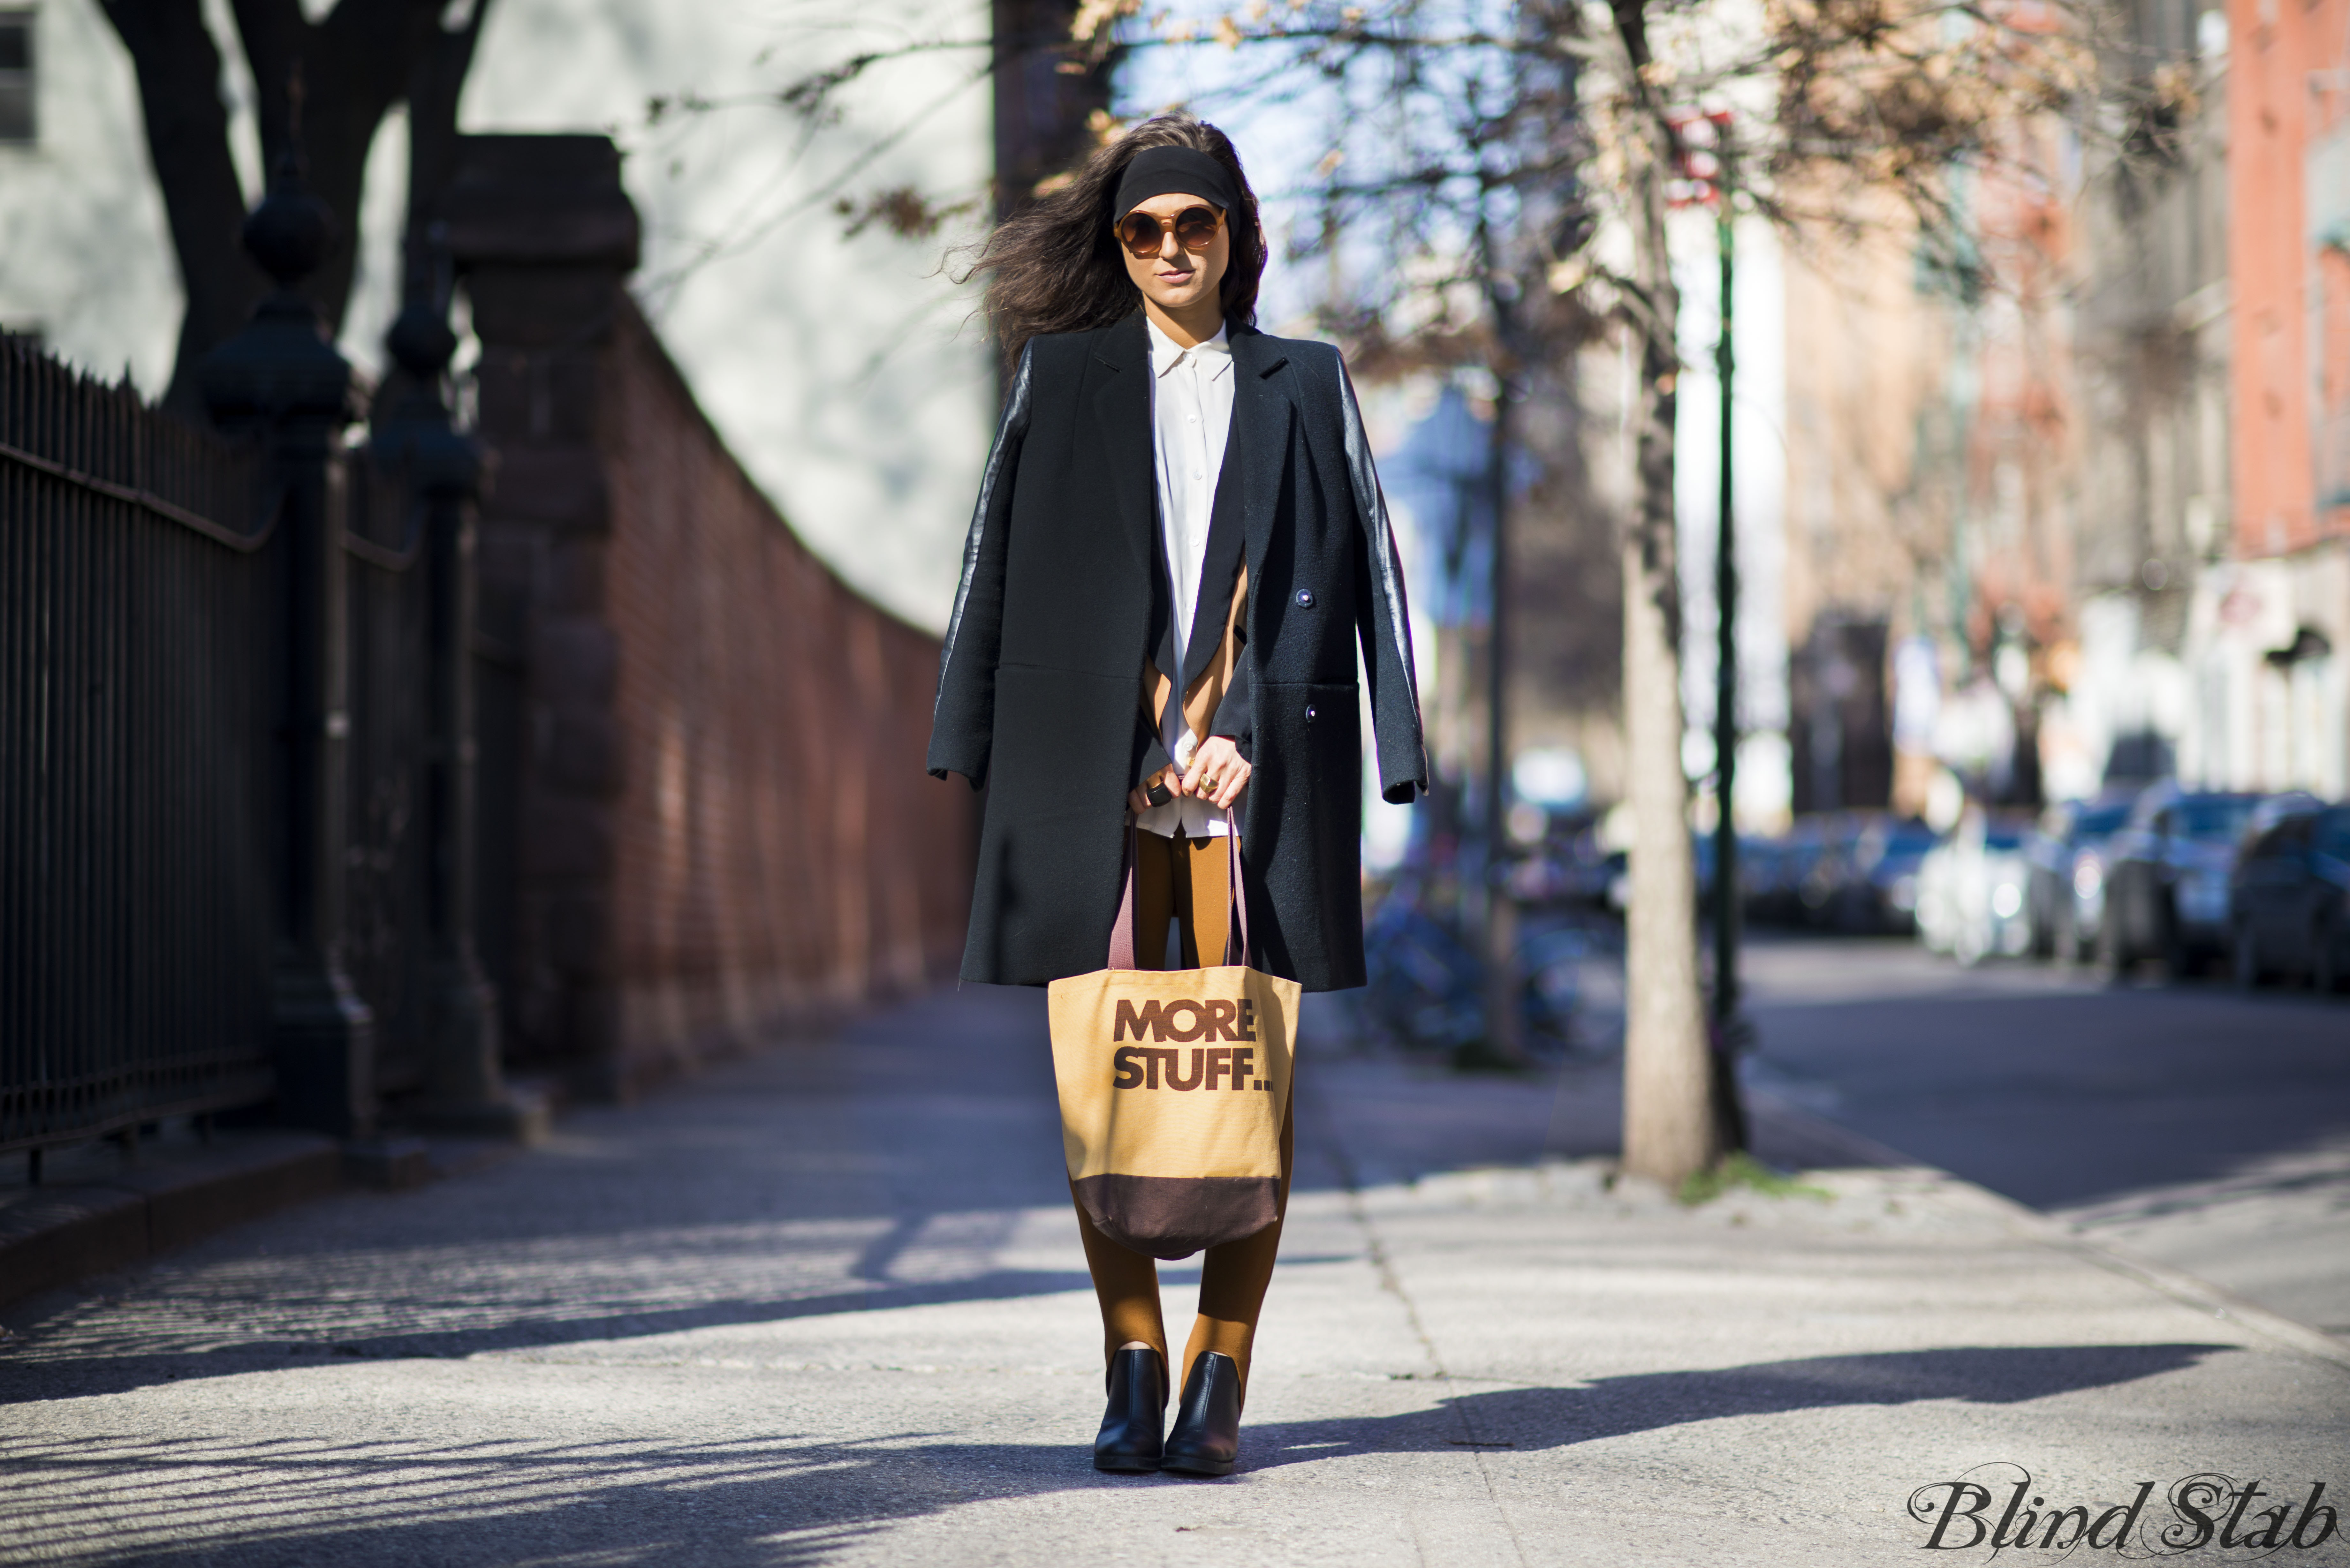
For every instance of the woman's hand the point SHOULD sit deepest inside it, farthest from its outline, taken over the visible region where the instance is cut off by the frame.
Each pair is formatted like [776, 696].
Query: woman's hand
[1138, 799]
[1219, 773]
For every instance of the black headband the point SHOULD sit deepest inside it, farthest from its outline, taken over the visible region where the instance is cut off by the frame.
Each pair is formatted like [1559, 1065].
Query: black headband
[1172, 171]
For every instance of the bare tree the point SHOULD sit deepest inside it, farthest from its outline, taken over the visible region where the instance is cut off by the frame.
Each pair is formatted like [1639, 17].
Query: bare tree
[322, 90]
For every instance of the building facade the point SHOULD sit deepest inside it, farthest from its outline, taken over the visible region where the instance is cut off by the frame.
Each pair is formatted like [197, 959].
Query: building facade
[2102, 504]
[2271, 626]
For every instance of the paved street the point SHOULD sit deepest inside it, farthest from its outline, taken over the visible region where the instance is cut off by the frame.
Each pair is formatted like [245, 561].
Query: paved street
[827, 1305]
[2191, 1124]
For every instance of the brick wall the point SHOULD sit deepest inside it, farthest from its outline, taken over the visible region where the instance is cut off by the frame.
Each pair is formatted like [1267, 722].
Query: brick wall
[705, 812]
[778, 845]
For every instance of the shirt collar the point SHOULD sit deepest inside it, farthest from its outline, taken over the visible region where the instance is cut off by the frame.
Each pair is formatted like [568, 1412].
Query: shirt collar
[1215, 354]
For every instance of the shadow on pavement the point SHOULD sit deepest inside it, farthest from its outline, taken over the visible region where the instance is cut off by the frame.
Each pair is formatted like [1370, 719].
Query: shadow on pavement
[86, 1374]
[799, 1497]
[1539, 1418]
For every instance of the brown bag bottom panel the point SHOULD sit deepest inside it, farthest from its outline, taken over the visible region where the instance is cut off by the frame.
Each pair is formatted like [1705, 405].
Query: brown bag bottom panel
[1172, 1217]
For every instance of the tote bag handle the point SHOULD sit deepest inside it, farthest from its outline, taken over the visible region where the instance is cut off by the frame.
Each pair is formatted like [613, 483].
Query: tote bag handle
[1236, 933]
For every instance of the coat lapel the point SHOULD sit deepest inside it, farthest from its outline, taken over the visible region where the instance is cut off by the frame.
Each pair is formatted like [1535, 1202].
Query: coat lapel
[1259, 449]
[1122, 407]
[1247, 491]
[1227, 534]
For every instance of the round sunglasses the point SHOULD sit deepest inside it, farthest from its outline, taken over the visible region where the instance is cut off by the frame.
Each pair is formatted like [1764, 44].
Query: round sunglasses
[1145, 233]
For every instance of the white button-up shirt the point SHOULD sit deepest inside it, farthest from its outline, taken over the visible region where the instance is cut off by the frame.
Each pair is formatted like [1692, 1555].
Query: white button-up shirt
[1192, 419]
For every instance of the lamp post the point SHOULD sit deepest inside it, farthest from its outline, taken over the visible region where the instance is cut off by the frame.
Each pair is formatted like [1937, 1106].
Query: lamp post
[1706, 171]
[1727, 1029]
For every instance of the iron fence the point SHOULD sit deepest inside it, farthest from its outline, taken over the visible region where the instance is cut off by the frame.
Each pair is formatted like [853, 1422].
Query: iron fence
[136, 577]
[237, 754]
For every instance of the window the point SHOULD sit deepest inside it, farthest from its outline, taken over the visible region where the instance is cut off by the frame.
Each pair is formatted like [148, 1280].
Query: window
[2216, 818]
[2333, 834]
[2099, 821]
[2287, 838]
[17, 123]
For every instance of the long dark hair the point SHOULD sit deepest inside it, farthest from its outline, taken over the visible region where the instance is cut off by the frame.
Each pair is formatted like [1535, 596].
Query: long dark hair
[1054, 267]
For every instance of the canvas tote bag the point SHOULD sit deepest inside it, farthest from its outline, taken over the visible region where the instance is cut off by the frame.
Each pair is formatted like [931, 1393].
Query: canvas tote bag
[1173, 1085]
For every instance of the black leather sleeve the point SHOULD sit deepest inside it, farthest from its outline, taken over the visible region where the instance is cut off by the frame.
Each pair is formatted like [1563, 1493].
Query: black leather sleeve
[962, 718]
[1382, 623]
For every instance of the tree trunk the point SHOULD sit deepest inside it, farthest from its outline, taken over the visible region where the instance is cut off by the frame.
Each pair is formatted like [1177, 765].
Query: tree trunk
[1671, 1131]
[426, 270]
[352, 67]
[178, 72]
[1043, 100]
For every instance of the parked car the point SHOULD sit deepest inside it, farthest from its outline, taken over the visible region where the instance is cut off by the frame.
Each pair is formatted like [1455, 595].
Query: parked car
[1971, 890]
[1813, 868]
[2289, 898]
[1845, 871]
[1882, 894]
[1763, 878]
[2066, 892]
[2166, 874]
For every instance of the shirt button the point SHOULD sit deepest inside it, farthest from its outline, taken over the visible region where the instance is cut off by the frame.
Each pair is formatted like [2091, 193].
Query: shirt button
[1309, 713]
[1305, 598]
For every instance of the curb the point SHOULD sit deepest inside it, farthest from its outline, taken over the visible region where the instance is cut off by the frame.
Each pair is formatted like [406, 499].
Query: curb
[1816, 1133]
[55, 1235]
[1802, 1138]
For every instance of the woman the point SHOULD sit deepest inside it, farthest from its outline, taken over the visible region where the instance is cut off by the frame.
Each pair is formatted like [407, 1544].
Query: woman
[1178, 545]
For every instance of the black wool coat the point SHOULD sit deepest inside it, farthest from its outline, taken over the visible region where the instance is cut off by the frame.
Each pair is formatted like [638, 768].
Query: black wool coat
[1064, 594]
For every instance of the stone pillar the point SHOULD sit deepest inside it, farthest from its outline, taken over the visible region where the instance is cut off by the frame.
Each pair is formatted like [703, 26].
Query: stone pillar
[466, 1088]
[281, 380]
[544, 237]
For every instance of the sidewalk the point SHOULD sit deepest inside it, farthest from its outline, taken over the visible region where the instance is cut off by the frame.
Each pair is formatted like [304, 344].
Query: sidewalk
[827, 1305]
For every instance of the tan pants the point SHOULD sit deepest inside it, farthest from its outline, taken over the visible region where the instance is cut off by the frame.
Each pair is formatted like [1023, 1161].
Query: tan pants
[1190, 880]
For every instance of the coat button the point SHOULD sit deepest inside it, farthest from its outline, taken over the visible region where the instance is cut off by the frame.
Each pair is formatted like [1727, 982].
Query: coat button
[1305, 598]
[1309, 713]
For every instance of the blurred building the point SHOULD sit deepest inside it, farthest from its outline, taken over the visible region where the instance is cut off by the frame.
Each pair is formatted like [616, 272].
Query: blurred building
[841, 367]
[2152, 309]
[1929, 547]
[2097, 492]
[1875, 420]
[85, 262]
[2271, 703]
[2214, 502]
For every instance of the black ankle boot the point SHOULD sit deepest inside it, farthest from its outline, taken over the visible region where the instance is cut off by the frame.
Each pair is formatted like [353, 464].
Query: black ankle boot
[1207, 1434]
[1137, 1416]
